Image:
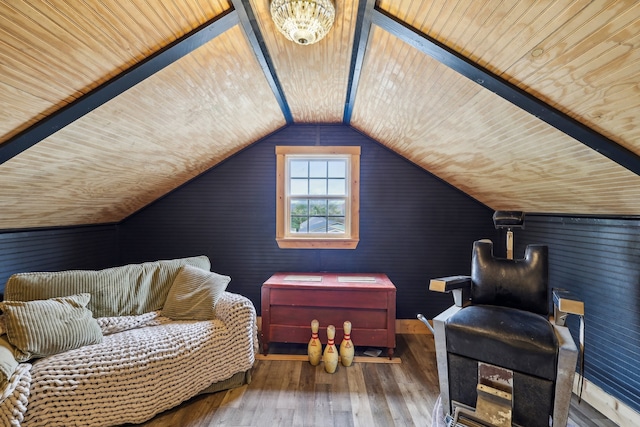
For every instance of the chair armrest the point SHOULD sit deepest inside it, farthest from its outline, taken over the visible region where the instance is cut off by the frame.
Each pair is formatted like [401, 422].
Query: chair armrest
[460, 286]
[566, 369]
[564, 303]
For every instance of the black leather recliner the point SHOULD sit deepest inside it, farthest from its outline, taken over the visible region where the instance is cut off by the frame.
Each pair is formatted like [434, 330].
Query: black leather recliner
[497, 348]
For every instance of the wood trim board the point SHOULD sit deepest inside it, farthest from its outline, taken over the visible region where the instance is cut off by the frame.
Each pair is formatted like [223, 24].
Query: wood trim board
[403, 326]
[608, 405]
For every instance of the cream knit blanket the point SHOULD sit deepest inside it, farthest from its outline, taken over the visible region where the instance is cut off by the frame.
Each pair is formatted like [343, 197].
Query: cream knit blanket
[145, 365]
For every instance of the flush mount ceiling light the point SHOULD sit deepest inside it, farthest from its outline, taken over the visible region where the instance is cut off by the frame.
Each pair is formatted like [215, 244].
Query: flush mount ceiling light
[303, 22]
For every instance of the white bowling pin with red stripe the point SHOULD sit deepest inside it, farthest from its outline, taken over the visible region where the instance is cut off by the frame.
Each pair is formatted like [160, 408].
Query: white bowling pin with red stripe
[330, 356]
[314, 349]
[347, 349]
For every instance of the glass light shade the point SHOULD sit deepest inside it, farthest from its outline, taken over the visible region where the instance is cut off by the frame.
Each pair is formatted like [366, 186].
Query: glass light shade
[303, 22]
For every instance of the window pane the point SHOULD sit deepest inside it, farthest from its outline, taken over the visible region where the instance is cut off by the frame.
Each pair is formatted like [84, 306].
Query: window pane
[300, 207]
[318, 187]
[299, 168]
[299, 224]
[336, 187]
[318, 168]
[299, 187]
[317, 224]
[337, 168]
[336, 224]
[299, 216]
[336, 207]
[318, 207]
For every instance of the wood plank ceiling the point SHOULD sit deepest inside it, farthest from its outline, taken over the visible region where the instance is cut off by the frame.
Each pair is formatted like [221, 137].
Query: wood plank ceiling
[67, 161]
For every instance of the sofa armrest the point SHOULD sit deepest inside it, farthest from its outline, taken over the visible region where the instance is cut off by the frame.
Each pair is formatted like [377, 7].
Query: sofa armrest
[238, 313]
[460, 286]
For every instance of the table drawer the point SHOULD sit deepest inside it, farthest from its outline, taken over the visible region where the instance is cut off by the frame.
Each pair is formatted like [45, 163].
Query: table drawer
[287, 315]
[331, 298]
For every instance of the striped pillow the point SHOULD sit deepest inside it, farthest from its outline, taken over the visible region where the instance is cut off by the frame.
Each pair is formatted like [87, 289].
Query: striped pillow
[45, 327]
[194, 294]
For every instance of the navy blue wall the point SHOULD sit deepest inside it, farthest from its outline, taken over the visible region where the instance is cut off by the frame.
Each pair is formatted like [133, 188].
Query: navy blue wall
[599, 261]
[412, 225]
[90, 247]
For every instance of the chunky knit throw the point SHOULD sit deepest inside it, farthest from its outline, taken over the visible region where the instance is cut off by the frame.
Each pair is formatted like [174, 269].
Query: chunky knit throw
[146, 364]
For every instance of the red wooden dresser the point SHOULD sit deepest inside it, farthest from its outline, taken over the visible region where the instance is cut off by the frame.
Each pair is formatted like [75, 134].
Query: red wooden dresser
[290, 301]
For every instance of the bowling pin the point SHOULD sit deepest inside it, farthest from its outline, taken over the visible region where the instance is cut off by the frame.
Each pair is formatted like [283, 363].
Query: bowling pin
[346, 346]
[314, 349]
[330, 356]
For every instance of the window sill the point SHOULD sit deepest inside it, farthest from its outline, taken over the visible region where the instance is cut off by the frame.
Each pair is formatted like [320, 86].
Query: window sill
[315, 243]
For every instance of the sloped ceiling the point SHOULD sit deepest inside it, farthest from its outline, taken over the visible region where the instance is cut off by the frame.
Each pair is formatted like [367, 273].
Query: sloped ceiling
[106, 106]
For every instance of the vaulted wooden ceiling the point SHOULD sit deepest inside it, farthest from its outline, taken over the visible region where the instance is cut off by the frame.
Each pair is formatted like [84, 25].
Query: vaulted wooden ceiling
[108, 105]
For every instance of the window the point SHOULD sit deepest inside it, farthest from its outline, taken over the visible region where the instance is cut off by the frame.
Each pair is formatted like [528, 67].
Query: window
[318, 196]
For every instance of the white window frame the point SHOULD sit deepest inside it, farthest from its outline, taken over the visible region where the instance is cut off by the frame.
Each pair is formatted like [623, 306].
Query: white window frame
[351, 237]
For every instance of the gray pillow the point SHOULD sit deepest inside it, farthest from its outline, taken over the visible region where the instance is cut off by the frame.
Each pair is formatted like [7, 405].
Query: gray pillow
[194, 294]
[44, 327]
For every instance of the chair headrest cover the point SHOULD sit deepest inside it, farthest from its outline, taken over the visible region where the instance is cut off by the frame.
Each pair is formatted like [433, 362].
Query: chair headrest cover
[520, 283]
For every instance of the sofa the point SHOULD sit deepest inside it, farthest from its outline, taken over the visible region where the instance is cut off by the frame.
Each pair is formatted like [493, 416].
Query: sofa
[120, 345]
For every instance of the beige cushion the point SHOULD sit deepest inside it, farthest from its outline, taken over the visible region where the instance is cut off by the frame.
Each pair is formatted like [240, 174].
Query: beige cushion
[194, 294]
[45, 327]
[8, 362]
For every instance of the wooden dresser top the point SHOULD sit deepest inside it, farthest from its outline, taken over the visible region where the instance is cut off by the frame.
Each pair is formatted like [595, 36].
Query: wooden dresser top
[363, 281]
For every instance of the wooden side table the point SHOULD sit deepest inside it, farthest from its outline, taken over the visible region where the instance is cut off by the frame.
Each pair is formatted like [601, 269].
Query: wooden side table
[290, 301]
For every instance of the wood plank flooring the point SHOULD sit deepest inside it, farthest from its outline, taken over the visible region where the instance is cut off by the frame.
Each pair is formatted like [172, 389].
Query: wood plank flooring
[294, 393]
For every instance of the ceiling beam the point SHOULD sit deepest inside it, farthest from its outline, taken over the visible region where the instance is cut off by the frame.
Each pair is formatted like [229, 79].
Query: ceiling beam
[252, 30]
[117, 85]
[507, 91]
[360, 40]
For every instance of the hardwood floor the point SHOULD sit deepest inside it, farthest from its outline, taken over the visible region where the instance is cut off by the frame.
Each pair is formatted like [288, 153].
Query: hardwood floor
[294, 393]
